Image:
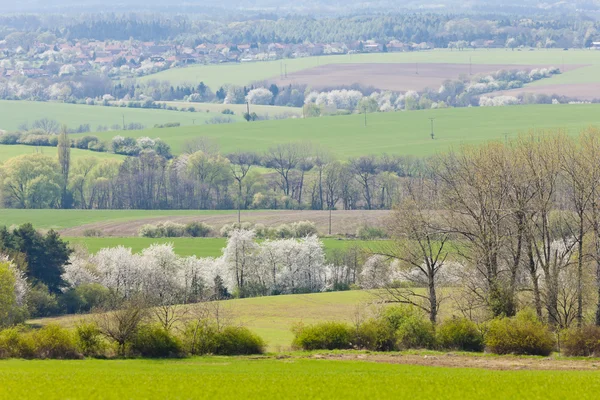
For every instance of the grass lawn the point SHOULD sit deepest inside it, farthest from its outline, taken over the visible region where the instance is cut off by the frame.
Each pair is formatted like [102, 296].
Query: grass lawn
[241, 74]
[10, 151]
[396, 132]
[60, 219]
[199, 247]
[247, 378]
[15, 113]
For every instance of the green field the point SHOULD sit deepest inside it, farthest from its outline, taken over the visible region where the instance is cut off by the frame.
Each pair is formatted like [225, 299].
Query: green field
[60, 219]
[15, 113]
[296, 378]
[9, 151]
[199, 247]
[240, 74]
[396, 132]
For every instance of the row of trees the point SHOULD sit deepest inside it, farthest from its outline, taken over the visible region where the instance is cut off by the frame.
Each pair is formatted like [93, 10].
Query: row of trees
[302, 177]
[521, 219]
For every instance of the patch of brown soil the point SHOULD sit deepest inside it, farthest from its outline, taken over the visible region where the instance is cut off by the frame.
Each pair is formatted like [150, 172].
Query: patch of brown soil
[452, 360]
[342, 222]
[398, 77]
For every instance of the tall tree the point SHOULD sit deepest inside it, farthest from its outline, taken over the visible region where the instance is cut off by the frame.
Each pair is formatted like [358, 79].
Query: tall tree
[64, 159]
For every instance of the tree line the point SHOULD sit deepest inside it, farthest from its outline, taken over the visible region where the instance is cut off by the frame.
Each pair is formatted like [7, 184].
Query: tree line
[299, 176]
[513, 225]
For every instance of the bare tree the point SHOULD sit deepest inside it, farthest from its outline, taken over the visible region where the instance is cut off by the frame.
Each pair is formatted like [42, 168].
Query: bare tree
[122, 324]
[241, 162]
[284, 158]
[365, 169]
[64, 159]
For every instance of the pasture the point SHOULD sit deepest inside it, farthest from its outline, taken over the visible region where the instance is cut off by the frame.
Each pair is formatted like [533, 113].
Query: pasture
[199, 247]
[295, 378]
[15, 113]
[10, 151]
[240, 74]
[405, 133]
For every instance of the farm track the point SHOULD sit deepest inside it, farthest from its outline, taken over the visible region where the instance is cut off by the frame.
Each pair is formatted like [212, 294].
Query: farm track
[452, 360]
[343, 222]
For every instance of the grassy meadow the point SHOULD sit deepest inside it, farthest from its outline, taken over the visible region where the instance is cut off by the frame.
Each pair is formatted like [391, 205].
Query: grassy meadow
[238, 109]
[15, 113]
[10, 151]
[405, 133]
[199, 247]
[61, 219]
[241, 74]
[295, 378]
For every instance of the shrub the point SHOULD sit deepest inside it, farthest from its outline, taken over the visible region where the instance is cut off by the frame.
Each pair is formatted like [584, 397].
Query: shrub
[238, 341]
[376, 334]
[84, 298]
[92, 232]
[413, 331]
[10, 138]
[304, 228]
[366, 232]
[284, 232]
[459, 334]
[199, 338]
[54, 342]
[84, 142]
[156, 342]
[89, 340]
[522, 334]
[16, 343]
[41, 302]
[582, 342]
[198, 229]
[323, 336]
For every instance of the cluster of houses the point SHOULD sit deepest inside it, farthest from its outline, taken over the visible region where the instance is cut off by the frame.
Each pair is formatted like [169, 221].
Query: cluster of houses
[135, 58]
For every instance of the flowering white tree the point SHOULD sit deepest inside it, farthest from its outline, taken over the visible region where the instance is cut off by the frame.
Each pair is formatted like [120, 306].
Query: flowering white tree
[259, 96]
[376, 273]
[119, 270]
[239, 256]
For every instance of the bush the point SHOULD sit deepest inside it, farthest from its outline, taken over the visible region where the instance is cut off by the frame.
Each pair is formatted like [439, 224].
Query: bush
[198, 229]
[10, 138]
[84, 142]
[376, 334]
[92, 232]
[84, 298]
[42, 303]
[370, 233]
[413, 331]
[89, 340]
[304, 228]
[522, 334]
[582, 342]
[238, 341]
[54, 342]
[16, 343]
[156, 342]
[323, 336]
[459, 334]
[199, 338]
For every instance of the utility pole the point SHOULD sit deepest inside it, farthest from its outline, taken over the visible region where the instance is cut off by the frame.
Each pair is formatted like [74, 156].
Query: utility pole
[281, 69]
[417, 66]
[505, 138]
[365, 115]
[432, 134]
[330, 221]
[123, 121]
[193, 122]
[285, 65]
[248, 111]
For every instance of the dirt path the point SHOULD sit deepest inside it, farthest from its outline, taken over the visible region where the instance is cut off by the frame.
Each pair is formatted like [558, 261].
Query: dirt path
[472, 361]
[342, 222]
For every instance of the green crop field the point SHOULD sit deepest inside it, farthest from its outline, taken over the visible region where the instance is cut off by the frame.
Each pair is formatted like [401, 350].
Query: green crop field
[61, 219]
[15, 113]
[295, 378]
[396, 133]
[240, 74]
[9, 151]
[199, 247]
